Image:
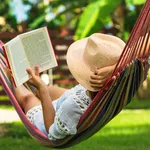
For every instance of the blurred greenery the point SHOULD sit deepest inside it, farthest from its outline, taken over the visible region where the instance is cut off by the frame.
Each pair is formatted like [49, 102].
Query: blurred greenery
[139, 104]
[94, 17]
[7, 20]
[84, 17]
[143, 92]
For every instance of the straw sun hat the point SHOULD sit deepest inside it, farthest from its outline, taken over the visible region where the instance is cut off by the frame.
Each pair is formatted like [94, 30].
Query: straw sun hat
[96, 51]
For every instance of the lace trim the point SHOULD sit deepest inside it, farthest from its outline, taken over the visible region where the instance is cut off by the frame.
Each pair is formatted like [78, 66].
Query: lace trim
[61, 125]
[51, 137]
[82, 99]
[31, 112]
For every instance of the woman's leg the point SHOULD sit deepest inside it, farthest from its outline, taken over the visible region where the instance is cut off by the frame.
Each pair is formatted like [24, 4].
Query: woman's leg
[25, 98]
[56, 92]
[28, 100]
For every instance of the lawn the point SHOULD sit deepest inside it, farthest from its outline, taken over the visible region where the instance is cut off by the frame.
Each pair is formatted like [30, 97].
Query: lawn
[130, 130]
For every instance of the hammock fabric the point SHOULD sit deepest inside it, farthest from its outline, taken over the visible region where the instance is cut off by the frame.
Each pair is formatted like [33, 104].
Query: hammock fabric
[130, 72]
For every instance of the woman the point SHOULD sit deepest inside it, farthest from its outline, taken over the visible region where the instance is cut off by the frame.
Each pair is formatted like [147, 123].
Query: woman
[56, 111]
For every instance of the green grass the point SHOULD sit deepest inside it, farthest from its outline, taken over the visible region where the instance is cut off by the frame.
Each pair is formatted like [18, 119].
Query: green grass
[4, 98]
[9, 107]
[139, 104]
[130, 130]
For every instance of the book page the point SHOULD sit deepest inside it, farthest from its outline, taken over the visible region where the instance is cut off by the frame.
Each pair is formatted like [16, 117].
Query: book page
[18, 61]
[38, 49]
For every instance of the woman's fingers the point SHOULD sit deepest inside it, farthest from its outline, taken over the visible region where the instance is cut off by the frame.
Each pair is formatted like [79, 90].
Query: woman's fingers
[30, 72]
[97, 85]
[96, 77]
[31, 82]
[97, 81]
[37, 71]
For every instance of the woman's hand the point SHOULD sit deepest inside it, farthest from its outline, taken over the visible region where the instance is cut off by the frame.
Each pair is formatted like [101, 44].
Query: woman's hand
[35, 79]
[99, 77]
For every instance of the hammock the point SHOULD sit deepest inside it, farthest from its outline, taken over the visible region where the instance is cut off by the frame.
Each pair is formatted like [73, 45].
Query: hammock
[131, 70]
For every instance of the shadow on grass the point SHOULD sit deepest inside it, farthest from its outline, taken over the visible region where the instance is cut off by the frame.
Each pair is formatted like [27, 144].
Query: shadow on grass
[138, 104]
[14, 136]
[14, 130]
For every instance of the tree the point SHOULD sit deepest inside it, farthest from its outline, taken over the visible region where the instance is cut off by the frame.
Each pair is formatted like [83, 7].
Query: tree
[7, 19]
[84, 17]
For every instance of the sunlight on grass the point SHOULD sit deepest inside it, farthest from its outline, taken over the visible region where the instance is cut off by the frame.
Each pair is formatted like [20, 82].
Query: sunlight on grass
[7, 107]
[4, 98]
[127, 123]
[130, 130]
[132, 115]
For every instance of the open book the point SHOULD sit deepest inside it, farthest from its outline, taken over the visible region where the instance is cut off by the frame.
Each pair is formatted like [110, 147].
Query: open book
[28, 50]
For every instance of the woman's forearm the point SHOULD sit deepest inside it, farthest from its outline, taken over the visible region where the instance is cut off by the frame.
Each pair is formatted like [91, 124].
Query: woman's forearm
[43, 94]
[47, 106]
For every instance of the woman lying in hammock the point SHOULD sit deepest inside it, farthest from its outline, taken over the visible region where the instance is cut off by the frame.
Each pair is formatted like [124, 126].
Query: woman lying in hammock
[56, 111]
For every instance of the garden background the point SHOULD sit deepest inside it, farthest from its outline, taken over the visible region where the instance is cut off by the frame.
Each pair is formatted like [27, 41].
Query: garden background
[68, 21]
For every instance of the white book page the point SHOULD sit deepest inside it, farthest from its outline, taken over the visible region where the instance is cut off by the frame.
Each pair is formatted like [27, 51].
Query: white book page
[38, 49]
[17, 60]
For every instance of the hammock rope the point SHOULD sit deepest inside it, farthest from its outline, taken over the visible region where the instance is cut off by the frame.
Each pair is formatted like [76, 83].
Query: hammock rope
[137, 44]
[131, 70]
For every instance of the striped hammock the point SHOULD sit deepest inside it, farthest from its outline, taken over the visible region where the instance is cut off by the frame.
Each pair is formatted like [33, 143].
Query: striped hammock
[130, 72]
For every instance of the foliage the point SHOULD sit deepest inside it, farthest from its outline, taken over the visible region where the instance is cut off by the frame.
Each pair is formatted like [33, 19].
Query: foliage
[135, 2]
[94, 17]
[36, 13]
[7, 19]
[54, 14]
[132, 11]
[143, 92]
[84, 17]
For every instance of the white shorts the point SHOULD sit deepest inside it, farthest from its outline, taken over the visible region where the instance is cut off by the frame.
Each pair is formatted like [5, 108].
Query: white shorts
[35, 115]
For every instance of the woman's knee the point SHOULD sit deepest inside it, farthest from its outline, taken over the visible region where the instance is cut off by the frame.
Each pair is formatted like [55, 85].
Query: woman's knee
[29, 100]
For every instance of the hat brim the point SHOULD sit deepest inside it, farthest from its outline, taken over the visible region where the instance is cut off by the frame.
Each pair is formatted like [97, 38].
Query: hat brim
[76, 64]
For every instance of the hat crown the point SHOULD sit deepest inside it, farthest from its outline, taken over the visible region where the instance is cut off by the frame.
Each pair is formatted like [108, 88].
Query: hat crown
[98, 52]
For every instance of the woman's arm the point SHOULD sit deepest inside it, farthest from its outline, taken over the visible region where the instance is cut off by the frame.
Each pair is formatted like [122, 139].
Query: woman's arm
[47, 106]
[43, 94]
